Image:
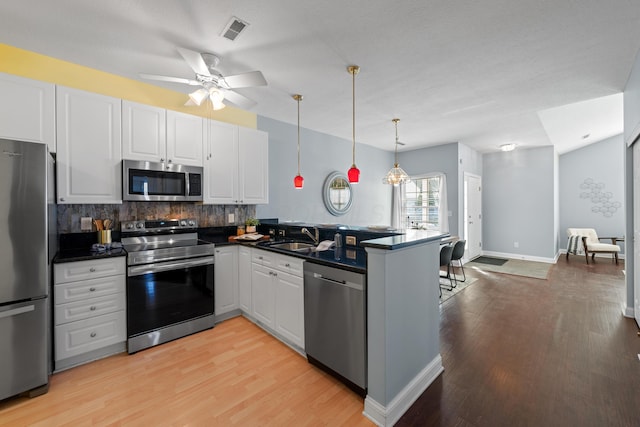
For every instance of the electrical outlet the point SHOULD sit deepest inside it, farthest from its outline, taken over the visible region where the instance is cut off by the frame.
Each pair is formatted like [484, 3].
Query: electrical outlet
[231, 219]
[86, 223]
[350, 240]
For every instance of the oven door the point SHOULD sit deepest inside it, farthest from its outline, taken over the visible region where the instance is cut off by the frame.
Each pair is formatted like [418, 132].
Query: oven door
[168, 293]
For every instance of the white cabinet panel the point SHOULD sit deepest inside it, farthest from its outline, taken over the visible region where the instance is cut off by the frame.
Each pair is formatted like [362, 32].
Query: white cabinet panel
[221, 163]
[184, 138]
[226, 279]
[82, 270]
[27, 110]
[263, 295]
[89, 156]
[79, 337]
[290, 308]
[90, 308]
[236, 164]
[144, 132]
[244, 279]
[253, 166]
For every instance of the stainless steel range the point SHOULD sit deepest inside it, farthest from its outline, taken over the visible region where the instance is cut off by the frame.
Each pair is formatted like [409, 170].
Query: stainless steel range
[169, 281]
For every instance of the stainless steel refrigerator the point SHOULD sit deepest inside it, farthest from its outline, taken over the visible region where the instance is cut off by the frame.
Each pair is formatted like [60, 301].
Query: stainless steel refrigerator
[25, 175]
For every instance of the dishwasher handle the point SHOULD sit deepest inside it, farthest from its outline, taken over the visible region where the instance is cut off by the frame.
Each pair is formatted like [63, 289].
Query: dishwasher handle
[352, 285]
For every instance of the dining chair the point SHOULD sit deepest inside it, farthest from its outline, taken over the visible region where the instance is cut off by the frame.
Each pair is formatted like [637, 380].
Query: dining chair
[456, 255]
[445, 261]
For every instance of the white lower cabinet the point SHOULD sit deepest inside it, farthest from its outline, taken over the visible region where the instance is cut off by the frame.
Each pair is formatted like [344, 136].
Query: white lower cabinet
[90, 318]
[277, 295]
[244, 279]
[226, 279]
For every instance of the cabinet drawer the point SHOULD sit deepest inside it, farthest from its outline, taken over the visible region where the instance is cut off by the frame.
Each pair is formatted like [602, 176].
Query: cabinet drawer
[82, 270]
[264, 258]
[77, 291]
[91, 307]
[289, 265]
[79, 337]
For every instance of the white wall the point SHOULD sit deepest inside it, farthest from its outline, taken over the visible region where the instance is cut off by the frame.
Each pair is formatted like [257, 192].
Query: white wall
[518, 203]
[603, 164]
[441, 158]
[320, 155]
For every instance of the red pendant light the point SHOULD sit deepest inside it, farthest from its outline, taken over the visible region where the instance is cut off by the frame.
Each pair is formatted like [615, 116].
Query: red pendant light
[298, 181]
[354, 173]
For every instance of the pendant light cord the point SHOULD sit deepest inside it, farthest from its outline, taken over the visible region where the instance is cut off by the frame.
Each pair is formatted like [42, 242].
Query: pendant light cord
[353, 132]
[298, 98]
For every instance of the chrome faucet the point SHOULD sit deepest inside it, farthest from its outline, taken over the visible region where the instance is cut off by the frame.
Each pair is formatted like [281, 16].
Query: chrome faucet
[315, 239]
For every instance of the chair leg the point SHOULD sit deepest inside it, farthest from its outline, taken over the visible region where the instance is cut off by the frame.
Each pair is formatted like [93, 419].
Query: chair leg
[615, 254]
[461, 267]
[586, 254]
[449, 275]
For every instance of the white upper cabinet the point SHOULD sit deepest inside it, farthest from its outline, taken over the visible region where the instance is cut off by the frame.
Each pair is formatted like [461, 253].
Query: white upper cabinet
[220, 163]
[89, 143]
[27, 110]
[253, 166]
[236, 161]
[157, 135]
[184, 138]
[144, 132]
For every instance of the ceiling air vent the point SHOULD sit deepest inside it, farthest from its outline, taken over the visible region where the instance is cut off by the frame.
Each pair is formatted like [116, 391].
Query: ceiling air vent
[234, 28]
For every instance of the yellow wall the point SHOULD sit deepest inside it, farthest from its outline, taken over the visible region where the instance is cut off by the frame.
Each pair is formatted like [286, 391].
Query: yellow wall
[45, 68]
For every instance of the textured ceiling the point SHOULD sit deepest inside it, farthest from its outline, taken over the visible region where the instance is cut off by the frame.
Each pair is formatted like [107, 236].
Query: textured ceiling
[481, 73]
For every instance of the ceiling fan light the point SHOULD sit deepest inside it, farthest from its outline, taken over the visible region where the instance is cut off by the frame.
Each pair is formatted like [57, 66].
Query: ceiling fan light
[198, 96]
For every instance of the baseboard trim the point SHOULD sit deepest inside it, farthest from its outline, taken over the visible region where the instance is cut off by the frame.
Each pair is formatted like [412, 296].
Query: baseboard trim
[388, 416]
[628, 311]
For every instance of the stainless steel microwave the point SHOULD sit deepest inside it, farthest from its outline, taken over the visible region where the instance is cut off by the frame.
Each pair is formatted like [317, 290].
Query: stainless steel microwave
[161, 182]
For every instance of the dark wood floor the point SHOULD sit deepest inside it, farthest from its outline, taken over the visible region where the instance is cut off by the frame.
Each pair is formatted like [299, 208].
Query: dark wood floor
[529, 352]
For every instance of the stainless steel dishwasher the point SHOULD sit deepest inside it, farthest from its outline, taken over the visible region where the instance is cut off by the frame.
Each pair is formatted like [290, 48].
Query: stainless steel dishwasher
[335, 323]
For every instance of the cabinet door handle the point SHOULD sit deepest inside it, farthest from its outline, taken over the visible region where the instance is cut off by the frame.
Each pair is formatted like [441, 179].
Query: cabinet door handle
[93, 270]
[93, 334]
[92, 308]
[287, 265]
[161, 159]
[92, 289]
[62, 199]
[169, 160]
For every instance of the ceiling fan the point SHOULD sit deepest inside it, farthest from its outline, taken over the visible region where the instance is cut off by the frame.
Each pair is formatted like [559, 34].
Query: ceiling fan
[215, 86]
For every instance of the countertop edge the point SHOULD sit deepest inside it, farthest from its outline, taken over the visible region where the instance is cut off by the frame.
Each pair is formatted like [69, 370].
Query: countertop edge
[410, 238]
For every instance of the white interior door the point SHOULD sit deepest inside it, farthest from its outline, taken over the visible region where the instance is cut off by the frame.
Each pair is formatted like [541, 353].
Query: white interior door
[636, 231]
[473, 215]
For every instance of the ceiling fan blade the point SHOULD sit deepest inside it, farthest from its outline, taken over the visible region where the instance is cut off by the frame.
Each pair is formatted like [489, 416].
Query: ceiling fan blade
[250, 79]
[170, 79]
[239, 100]
[195, 61]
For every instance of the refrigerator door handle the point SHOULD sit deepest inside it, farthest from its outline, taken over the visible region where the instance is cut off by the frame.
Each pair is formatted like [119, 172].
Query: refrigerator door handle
[17, 311]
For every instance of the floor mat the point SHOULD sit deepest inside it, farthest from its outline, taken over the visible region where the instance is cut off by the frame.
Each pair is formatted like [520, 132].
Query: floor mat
[490, 260]
[536, 270]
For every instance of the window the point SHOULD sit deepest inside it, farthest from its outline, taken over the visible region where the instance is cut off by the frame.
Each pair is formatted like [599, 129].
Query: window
[422, 202]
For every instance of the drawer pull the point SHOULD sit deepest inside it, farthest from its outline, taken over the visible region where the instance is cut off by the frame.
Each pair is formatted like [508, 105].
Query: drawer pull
[93, 270]
[260, 257]
[92, 289]
[287, 265]
[93, 334]
[92, 308]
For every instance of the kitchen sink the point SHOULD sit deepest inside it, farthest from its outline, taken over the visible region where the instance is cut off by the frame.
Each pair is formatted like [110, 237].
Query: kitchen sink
[293, 246]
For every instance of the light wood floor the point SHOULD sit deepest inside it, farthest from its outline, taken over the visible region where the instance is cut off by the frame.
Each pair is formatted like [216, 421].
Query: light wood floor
[232, 375]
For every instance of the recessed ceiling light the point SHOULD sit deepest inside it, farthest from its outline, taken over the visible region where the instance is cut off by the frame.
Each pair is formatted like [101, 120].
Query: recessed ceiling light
[508, 147]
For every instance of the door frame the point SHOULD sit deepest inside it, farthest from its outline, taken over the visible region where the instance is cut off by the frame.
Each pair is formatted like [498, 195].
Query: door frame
[465, 215]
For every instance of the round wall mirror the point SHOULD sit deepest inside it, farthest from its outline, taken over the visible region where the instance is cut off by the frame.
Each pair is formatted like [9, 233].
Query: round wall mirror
[337, 194]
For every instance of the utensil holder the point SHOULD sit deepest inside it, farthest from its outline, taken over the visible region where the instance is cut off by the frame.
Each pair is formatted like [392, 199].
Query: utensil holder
[104, 237]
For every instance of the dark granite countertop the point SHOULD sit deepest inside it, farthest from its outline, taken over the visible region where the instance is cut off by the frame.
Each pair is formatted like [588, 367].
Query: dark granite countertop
[347, 257]
[72, 255]
[409, 238]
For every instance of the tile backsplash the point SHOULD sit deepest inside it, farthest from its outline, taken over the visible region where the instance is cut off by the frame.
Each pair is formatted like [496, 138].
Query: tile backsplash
[207, 215]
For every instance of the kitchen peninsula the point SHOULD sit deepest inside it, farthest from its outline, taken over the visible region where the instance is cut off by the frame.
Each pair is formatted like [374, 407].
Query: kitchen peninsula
[402, 321]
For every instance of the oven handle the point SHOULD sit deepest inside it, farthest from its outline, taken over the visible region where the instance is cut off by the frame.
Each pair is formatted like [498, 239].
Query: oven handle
[166, 266]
